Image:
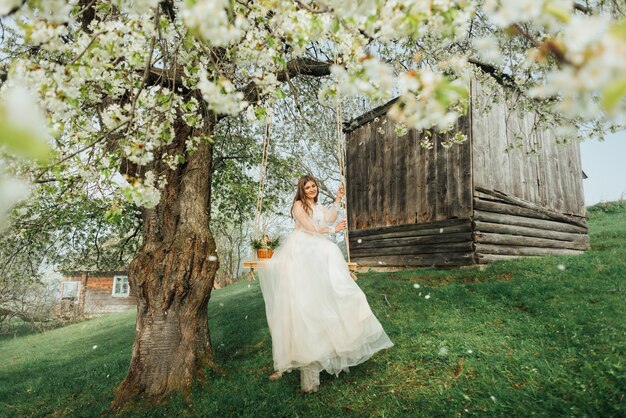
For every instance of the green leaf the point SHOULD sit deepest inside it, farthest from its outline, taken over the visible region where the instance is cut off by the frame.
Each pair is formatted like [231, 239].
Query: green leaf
[618, 29]
[613, 94]
[23, 142]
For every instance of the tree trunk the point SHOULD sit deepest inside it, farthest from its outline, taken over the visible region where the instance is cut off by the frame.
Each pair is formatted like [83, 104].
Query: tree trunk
[172, 276]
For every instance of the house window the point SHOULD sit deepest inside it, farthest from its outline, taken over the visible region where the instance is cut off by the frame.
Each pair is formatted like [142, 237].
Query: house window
[120, 286]
[70, 290]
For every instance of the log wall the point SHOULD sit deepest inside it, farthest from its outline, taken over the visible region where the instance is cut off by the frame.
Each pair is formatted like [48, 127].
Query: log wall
[511, 156]
[392, 180]
[506, 227]
[95, 293]
[440, 243]
[99, 301]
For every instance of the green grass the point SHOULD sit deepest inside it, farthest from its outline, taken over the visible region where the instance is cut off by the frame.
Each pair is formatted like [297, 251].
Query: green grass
[519, 338]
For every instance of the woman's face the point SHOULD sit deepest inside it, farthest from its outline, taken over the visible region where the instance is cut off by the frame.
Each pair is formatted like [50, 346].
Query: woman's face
[310, 189]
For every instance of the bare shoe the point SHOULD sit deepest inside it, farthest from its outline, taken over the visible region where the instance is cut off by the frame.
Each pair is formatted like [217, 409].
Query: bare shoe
[309, 380]
[275, 376]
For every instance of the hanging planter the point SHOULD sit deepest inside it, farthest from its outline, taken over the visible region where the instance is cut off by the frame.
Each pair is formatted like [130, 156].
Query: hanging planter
[264, 253]
[265, 246]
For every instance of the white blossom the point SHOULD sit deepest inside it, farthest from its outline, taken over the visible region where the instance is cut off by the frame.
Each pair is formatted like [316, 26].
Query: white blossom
[209, 19]
[488, 50]
[143, 193]
[7, 5]
[221, 96]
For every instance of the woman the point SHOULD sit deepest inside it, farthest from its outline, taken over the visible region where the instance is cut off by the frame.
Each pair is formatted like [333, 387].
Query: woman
[318, 317]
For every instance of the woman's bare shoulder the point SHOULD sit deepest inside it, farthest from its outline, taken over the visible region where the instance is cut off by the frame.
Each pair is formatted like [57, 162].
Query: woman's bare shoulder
[297, 204]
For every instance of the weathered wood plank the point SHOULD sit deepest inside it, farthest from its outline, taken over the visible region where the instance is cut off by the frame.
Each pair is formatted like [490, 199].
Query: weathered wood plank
[373, 179]
[498, 228]
[416, 240]
[525, 209]
[361, 233]
[387, 177]
[523, 221]
[482, 249]
[477, 129]
[422, 185]
[453, 177]
[431, 184]
[400, 206]
[414, 232]
[439, 259]
[351, 181]
[580, 209]
[411, 164]
[521, 241]
[490, 258]
[392, 144]
[466, 183]
[441, 183]
[445, 247]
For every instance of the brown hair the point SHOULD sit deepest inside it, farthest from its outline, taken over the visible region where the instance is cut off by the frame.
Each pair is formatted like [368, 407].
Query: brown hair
[301, 196]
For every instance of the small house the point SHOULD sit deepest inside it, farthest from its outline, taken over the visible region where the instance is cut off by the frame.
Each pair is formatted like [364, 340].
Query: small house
[89, 294]
[509, 190]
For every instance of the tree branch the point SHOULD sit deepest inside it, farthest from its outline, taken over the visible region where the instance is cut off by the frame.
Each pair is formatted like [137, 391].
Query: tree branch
[296, 67]
[582, 8]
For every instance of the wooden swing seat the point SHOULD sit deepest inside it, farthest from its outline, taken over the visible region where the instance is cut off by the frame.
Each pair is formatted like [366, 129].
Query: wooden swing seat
[257, 263]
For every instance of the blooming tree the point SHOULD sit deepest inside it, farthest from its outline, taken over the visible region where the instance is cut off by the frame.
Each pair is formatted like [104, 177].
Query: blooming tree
[134, 90]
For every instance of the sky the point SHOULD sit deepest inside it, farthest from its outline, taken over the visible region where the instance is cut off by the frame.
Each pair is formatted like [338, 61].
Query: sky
[605, 165]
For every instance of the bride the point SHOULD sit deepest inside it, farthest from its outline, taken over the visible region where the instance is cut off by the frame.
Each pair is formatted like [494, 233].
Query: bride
[318, 317]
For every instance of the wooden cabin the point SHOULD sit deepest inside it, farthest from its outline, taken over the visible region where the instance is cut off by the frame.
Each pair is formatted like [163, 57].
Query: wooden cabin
[94, 293]
[509, 190]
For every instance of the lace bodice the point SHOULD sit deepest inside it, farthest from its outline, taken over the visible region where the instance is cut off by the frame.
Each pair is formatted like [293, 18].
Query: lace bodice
[317, 222]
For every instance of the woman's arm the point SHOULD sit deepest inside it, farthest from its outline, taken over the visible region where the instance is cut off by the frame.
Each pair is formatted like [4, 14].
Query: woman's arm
[331, 214]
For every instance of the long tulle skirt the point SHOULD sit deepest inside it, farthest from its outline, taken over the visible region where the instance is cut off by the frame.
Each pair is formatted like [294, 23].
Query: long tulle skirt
[319, 318]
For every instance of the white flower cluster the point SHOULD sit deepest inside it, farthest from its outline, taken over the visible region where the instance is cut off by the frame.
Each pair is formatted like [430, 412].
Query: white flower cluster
[143, 193]
[114, 116]
[7, 5]
[221, 96]
[428, 99]
[140, 152]
[597, 55]
[23, 132]
[488, 49]
[504, 13]
[209, 20]
[590, 50]
[12, 191]
[370, 77]
[355, 10]
[137, 7]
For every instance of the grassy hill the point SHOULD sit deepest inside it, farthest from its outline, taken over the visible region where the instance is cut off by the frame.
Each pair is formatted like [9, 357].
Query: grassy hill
[542, 337]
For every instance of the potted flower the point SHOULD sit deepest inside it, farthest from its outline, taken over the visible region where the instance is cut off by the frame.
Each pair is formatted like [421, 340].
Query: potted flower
[265, 246]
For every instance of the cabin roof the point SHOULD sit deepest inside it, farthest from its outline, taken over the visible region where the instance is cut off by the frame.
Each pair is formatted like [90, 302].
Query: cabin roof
[368, 116]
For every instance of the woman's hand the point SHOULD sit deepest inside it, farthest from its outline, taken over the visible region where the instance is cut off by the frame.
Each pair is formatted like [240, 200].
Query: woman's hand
[341, 225]
[340, 194]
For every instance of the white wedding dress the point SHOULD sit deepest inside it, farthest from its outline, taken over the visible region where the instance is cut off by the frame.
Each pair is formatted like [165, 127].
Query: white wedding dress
[318, 317]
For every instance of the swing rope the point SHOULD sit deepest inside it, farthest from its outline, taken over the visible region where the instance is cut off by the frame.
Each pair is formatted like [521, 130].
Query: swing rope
[263, 174]
[340, 147]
